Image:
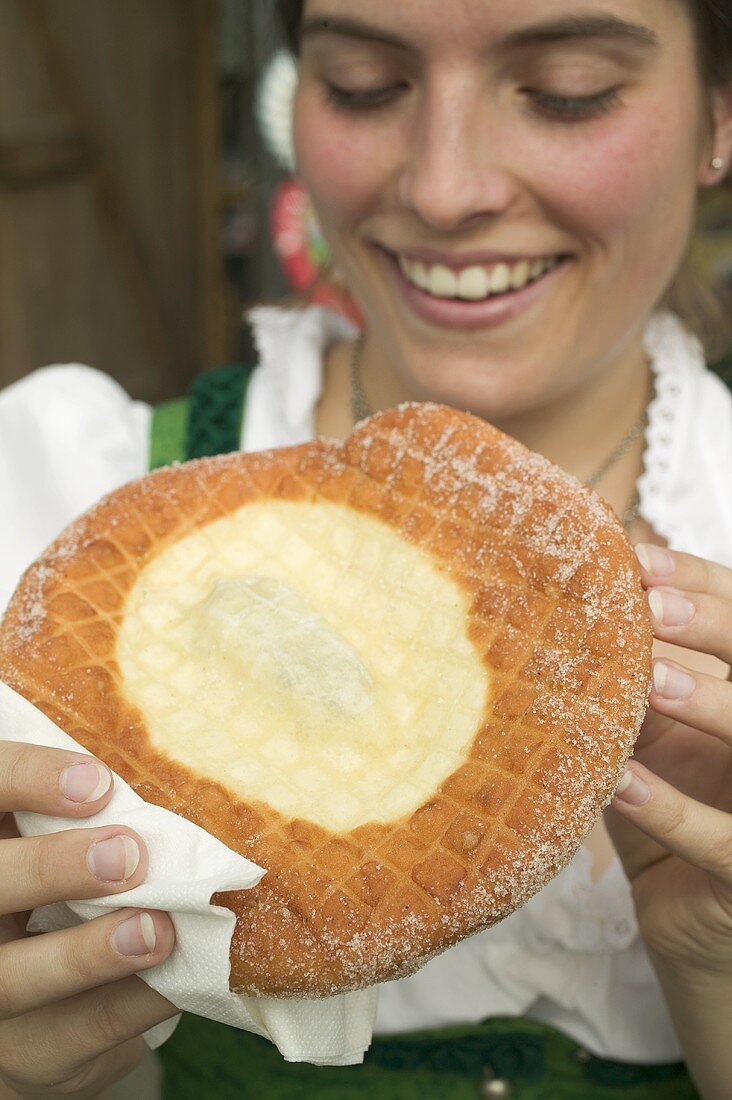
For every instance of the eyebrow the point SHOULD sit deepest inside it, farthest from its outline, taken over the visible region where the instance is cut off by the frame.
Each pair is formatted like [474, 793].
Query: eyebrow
[584, 26]
[601, 25]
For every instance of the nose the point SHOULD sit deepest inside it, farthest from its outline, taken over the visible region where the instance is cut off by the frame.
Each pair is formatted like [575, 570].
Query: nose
[456, 165]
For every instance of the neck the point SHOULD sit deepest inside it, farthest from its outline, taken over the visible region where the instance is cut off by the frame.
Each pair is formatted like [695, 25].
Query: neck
[579, 429]
[576, 430]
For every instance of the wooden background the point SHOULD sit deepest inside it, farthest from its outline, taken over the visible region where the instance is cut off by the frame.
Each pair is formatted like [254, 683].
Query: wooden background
[109, 189]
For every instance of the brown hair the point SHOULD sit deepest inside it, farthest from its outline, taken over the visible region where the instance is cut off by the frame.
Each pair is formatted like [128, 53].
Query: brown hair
[690, 293]
[289, 14]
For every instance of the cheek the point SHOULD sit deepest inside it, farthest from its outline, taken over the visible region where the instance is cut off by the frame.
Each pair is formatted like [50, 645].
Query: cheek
[341, 163]
[623, 188]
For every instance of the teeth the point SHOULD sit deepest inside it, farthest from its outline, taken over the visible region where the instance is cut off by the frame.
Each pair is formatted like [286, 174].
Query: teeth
[500, 278]
[442, 282]
[520, 274]
[420, 275]
[473, 283]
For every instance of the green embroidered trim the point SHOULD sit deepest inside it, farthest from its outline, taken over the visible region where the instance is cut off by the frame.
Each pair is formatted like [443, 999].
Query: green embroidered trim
[602, 1072]
[208, 422]
[217, 411]
[168, 433]
[513, 1048]
[206, 1060]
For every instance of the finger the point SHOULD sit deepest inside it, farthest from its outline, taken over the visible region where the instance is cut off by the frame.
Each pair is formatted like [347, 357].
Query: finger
[75, 863]
[692, 620]
[41, 970]
[51, 781]
[670, 567]
[696, 833]
[694, 698]
[56, 1042]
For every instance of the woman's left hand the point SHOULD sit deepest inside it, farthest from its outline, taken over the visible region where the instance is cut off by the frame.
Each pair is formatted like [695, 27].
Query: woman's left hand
[672, 825]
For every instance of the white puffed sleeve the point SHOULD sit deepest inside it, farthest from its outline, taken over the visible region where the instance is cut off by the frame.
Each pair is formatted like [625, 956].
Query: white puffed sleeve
[68, 435]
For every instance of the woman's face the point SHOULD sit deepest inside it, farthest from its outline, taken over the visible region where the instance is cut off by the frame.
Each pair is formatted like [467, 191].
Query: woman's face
[454, 149]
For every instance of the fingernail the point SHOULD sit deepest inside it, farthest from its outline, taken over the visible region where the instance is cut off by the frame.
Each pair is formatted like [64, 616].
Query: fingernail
[632, 789]
[670, 608]
[672, 682]
[655, 559]
[135, 936]
[85, 782]
[113, 860]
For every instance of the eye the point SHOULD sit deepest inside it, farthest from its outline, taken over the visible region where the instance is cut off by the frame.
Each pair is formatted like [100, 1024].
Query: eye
[364, 100]
[576, 108]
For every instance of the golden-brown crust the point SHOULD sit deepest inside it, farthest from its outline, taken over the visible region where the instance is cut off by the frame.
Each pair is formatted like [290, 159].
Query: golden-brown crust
[557, 614]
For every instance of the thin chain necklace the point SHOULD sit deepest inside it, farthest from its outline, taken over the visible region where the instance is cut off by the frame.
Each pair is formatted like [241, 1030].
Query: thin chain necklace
[360, 410]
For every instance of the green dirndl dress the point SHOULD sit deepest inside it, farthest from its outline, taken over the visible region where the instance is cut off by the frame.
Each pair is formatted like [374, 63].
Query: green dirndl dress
[500, 1058]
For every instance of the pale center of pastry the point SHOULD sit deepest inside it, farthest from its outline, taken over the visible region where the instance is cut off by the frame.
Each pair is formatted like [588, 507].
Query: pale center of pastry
[306, 656]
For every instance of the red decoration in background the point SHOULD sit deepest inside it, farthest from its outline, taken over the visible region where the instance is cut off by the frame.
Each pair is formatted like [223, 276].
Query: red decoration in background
[303, 251]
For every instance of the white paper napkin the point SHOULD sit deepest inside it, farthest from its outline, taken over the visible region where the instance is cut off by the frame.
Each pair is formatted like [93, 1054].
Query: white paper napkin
[186, 866]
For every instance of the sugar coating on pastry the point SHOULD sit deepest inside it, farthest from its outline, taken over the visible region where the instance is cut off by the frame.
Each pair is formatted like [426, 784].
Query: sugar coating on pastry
[401, 672]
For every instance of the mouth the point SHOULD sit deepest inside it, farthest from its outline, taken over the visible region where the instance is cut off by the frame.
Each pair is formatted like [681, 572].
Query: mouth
[476, 282]
[473, 294]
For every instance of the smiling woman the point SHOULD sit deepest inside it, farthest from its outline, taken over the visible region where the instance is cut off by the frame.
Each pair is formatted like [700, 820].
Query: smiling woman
[508, 191]
[574, 143]
[687, 294]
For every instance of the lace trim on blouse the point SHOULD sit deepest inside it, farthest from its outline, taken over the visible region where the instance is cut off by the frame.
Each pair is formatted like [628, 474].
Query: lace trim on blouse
[675, 356]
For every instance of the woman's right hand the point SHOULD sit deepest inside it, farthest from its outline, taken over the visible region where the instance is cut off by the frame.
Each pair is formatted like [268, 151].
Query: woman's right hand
[71, 1010]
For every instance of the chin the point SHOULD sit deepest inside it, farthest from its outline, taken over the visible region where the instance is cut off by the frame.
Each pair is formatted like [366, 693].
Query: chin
[473, 386]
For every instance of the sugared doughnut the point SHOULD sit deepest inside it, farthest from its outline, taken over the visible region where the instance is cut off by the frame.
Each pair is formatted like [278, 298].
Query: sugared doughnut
[401, 672]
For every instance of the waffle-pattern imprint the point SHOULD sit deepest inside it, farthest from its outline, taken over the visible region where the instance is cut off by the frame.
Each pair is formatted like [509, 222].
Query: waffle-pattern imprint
[556, 613]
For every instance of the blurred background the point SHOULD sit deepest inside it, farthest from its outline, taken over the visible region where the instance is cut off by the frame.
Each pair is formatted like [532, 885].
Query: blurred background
[135, 188]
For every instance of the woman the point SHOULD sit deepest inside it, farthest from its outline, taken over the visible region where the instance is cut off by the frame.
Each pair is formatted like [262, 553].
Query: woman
[508, 191]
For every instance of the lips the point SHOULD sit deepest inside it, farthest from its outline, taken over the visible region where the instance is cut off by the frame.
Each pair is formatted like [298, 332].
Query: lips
[448, 308]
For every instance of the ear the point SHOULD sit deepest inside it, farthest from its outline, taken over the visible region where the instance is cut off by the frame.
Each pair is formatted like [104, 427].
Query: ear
[719, 143]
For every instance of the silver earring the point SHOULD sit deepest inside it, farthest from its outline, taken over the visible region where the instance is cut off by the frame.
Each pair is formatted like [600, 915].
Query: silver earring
[717, 163]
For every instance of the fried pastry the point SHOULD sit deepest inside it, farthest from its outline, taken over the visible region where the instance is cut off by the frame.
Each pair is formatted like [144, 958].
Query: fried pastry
[401, 672]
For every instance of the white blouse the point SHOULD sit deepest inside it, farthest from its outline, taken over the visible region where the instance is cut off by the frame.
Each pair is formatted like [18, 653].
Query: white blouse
[571, 956]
